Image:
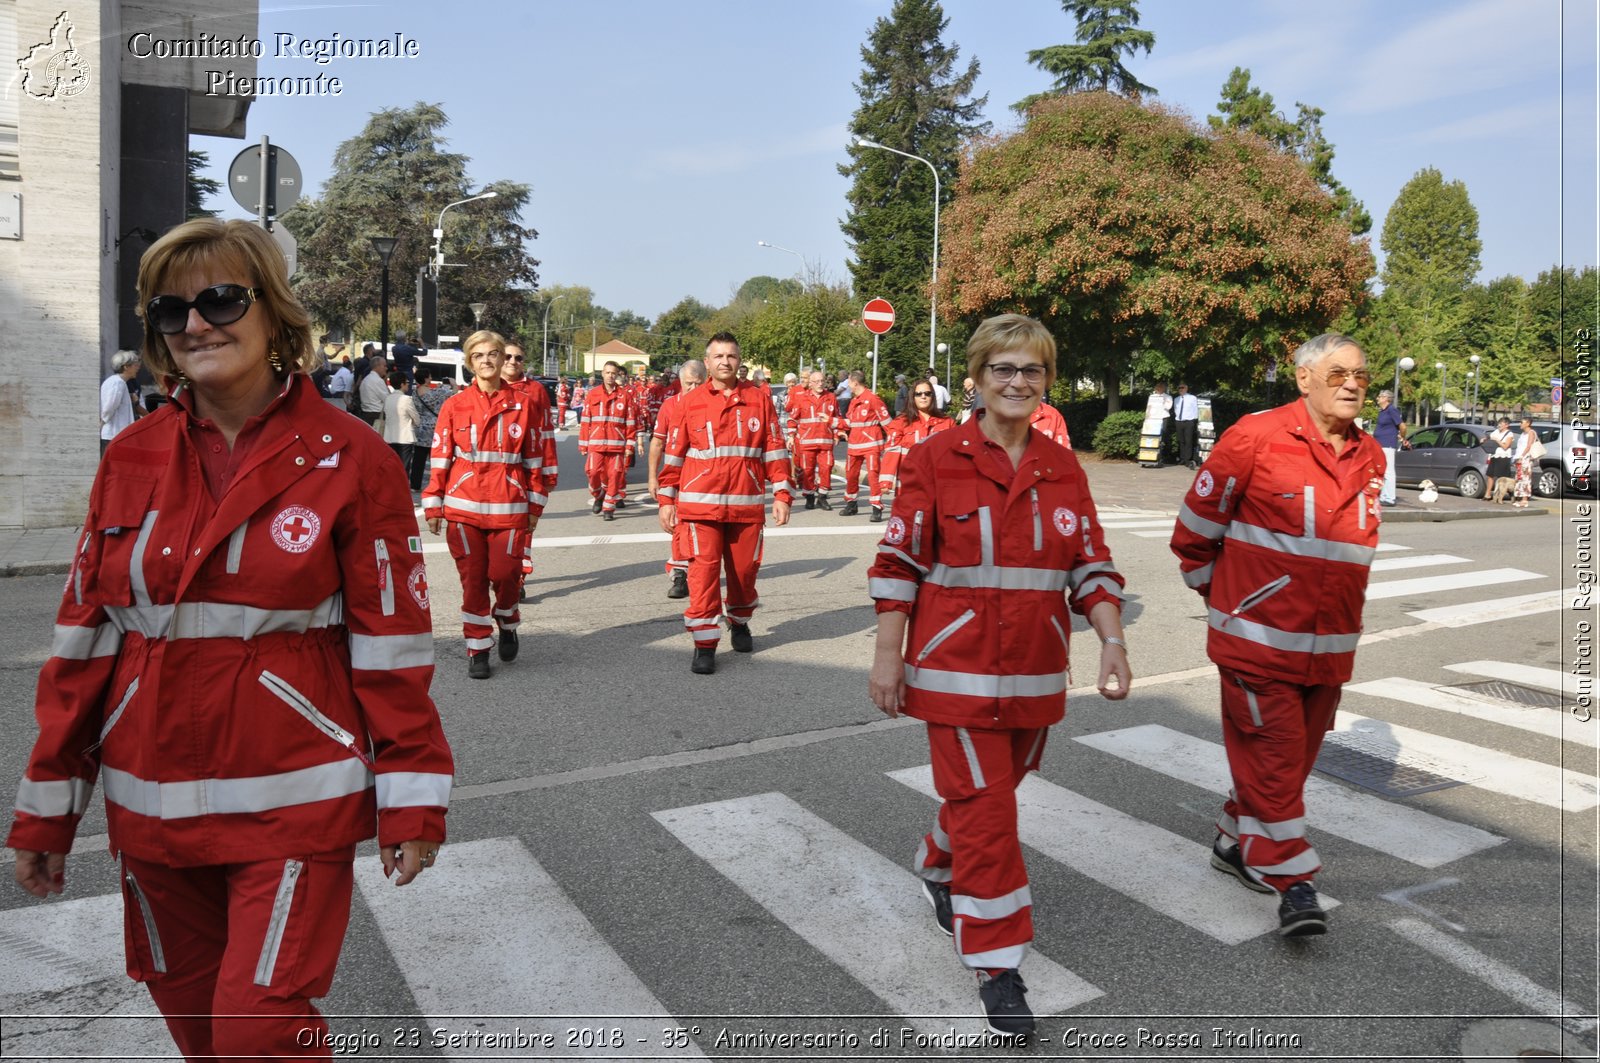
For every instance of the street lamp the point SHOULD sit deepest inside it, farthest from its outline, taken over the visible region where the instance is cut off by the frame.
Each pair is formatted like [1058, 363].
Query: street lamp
[801, 368]
[438, 229]
[544, 349]
[477, 314]
[1406, 364]
[1473, 376]
[933, 293]
[1443, 376]
[384, 246]
[944, 349]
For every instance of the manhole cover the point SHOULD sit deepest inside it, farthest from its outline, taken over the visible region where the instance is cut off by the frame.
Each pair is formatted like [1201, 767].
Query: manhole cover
[1379, 767]
[1515, 693]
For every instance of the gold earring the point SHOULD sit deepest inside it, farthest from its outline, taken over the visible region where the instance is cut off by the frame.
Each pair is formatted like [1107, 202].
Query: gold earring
[275, 360]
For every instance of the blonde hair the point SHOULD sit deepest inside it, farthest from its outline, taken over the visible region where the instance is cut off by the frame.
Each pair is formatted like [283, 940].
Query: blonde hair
[1011, 332]
[190, 250]
[482, 335]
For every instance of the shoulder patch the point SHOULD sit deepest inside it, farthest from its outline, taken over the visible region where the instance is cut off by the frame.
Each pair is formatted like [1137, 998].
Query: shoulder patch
[331, 461]
[1204, 484]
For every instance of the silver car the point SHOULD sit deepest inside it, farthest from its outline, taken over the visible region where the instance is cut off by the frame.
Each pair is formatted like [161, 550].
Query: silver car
[1568, 460]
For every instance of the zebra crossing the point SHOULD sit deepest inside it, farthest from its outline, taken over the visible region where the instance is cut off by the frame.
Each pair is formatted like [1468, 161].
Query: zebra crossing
[481, 936]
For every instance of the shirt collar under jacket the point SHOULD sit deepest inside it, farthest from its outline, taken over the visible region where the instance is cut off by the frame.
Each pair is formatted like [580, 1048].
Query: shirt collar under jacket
[1305, 428]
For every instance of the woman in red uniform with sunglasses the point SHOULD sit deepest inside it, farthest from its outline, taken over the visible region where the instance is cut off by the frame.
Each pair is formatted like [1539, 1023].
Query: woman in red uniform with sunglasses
[241, 658]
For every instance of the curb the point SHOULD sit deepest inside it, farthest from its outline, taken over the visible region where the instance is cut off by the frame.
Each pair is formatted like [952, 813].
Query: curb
[35, 568]
[1391, 516]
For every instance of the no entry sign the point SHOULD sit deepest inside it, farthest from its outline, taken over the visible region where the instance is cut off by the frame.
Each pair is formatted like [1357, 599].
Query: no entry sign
[878, 316]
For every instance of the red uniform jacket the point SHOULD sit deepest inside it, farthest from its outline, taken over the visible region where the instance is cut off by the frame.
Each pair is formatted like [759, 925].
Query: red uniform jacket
[610, 421]
[248, 676]
[1278, 534]
[666, 418]
[537, 397]
[905, 432]
[813, 419]
[654, 396]
[988, 560]
[487, 462]
[1048, 420]
[721, 451]
[868, 423]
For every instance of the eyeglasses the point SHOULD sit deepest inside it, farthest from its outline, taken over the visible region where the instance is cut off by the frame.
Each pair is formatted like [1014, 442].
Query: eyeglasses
[1005, 372]
[220, 304]
[1337, 377]
[515, 358]
[922, 394]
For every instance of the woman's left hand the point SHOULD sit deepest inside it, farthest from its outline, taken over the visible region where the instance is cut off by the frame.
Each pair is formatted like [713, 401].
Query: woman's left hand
[1114, 663]
[409, 859]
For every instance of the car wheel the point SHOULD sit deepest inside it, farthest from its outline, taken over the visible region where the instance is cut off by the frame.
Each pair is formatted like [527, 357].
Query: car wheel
[1470, 483]
[1547, 483]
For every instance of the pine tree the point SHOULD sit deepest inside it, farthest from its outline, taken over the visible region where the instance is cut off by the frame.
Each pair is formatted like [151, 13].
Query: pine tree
[914, 100]
[1106, 32]
[199, 186]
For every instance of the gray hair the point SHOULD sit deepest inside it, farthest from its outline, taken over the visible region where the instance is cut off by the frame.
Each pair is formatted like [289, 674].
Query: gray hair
[1386, 394]
[694, 369]
[122, 359]
[1311, 351]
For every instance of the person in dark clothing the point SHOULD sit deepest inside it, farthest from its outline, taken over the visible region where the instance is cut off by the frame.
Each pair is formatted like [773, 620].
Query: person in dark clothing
[403, 356]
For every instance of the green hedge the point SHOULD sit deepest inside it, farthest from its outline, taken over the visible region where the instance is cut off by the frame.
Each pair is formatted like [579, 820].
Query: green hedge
[1118, 434]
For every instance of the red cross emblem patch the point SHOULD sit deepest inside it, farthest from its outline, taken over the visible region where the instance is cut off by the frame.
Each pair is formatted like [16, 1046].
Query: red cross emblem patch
[417, 584]
[295, 529]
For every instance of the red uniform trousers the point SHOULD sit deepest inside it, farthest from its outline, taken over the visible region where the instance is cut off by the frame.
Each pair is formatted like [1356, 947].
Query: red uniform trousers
[487, 559]
[608, 477]
[732, 551]
[873, 460]
[974, 845]
[1272, 731]
[813, 468]
[215, 943]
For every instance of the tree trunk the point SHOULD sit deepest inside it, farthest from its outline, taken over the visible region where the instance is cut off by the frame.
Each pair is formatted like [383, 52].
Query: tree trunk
[1112, 381]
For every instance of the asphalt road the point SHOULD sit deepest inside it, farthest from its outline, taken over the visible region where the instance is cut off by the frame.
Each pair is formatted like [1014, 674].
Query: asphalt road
[724, 858]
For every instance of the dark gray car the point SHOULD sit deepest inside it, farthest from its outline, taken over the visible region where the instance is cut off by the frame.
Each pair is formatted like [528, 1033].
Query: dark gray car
[1451, 455]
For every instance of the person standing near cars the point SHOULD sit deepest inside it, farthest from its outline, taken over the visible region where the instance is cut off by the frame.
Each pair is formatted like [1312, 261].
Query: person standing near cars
[1528, 451]
[1501, 472]
[400, 420]
[1277, 535]
[1186, 426]
[1390, 432]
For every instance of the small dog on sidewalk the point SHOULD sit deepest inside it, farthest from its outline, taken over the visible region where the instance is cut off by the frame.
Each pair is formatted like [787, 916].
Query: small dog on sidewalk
[1430, 493]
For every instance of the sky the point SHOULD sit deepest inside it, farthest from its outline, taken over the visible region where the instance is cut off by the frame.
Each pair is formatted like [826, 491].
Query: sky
[663, 140]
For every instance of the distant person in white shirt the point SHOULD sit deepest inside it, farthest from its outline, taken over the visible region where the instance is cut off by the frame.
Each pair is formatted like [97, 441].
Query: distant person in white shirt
[116, 403]
[941, 394]
[1159, 408]
[1186, 426]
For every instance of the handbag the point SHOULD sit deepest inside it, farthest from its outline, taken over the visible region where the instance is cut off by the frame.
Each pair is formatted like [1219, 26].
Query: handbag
[1537, 450]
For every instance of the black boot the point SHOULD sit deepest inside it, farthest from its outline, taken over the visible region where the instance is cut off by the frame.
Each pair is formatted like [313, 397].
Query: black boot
[608, 515]
[705, 660]
[680, 584]
[508, 644]
[478, 664]
[849, 509]
[877, 514]
[739, 635]
[823, 503]
[596, 507]
[811, 500]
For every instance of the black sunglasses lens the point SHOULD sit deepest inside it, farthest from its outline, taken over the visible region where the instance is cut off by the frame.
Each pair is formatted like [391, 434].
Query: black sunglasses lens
[222, 305]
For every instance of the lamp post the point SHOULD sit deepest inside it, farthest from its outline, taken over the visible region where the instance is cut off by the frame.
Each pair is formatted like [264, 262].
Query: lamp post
[438, 229]
[384, 246]
[544, 346]
[1406, 364]
[801, 368]
[1443, 376]
[1473, 376]
[944, 349]
[933, 293]
[477, 314]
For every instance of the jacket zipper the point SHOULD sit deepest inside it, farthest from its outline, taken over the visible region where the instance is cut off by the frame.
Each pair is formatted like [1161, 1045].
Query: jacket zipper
[385, 576]
[916, 533]
[116, 714]
[157, 955]
[1259, 596]
[280, 919]
[949, 629]
[1250, 701]
[464, 478]
[299, 703]
[1227, 493]
[1062, 635]
[1038, 525]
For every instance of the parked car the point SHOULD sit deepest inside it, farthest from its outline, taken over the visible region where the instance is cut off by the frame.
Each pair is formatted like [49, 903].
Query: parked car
[1568, 458]
[1451, 455]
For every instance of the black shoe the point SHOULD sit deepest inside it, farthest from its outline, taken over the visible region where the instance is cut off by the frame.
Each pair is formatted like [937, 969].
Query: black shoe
[680, 584]
[596, 507]
[610, 515]
[811, 501]
[478, 664]
[1300, 914]
[621, 502]
[705, 660]
[877, 514]
[1007, 1012]
[739, 635]
[938, 894]
[1230, 861]
[849, 509]
[823, 503]
[508, 644]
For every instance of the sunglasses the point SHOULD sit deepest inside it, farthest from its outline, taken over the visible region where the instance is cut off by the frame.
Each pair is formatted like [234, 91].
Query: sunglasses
[515, 358]
[1337, 377]
[922, 394]
[220, 304]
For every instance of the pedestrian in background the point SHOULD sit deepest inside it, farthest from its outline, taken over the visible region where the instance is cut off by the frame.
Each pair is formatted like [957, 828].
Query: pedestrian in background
[1159, 408]
[373, 391]
[1528, 452]
[902, 394]
[1390, 432]
[923, 419]
[1293, 494]
[1186, 426]
[865, 431]
[994, 543]
[116, 402]
[404, 354]
[690, 376]
[429, 396]
[1501, 471]
[400, 421]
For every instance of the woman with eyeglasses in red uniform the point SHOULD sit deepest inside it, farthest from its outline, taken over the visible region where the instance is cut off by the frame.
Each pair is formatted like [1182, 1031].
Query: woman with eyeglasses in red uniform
[242, 658]
[923, 417]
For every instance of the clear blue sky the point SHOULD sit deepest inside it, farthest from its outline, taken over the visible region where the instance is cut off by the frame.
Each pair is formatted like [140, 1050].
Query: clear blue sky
[663, 139]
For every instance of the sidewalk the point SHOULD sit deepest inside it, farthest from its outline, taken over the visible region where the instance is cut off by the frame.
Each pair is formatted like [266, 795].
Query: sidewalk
[1121, 484]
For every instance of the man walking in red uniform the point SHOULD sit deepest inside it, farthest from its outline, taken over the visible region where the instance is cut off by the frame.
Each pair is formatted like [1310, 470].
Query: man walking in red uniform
[606, 439]
[1293, 494]
[538, 400]
[484, 491]
[813, 421]
[868, 424]
[726, 448]
[691, 376]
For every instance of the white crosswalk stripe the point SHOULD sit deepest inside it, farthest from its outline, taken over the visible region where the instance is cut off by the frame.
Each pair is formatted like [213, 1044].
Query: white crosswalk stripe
[1454, 582]
[1392, 564]
[1401, 831]
[1539, 720]
[1525, 674]
[1498, 609]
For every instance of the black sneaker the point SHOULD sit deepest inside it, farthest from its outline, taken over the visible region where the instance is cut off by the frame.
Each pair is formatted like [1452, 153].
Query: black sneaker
[811, 501]
[1007, 1012]
[1230, 861]
[705, 660]
[1300, 914]
[739, 635]
[938, 894]
[877, 514]
[823, 503]
[478, 664]
[608, 515]
[596, 507]
[680, 584]
[849, 509]
[508, 644]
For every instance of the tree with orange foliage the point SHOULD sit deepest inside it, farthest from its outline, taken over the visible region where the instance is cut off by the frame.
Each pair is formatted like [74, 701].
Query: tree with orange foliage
[1127, 227]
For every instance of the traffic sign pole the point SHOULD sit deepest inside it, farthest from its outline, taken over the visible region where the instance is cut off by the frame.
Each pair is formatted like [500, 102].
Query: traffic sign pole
[874, 361]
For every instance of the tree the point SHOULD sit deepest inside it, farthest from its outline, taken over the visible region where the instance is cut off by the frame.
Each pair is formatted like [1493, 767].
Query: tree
[392, 179]
[1106, 32]
[1430, 245]
[1126, 227]
[912, 100]
[200, 186]
[1245, 107]
[681, 333]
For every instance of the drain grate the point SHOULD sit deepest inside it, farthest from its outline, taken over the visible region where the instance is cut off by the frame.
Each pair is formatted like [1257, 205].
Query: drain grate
[1379, 766]
[1515, 693]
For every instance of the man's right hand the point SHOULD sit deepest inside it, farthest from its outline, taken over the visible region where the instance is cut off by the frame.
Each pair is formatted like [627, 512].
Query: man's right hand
[41, 874]
[434, 524]
[667, 514]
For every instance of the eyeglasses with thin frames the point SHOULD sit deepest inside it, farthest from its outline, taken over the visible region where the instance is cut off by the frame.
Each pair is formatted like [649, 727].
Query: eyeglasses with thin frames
[1005, 372]
[1338, 375]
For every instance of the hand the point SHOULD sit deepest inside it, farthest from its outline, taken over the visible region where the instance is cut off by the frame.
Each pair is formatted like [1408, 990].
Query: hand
[533, 522]
[1114, 664]
[653, 486]
[780, 513]
[409, 859]
[434, 524]
[667, 514]
[886, 683]
[41, 874]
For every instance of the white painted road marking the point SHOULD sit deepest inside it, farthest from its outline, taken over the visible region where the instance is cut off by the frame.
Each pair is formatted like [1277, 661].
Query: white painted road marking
[1157, 868]
[1525, 674]
[855, 906]
[1454, 582]
[1391, 564]
[1541, 721]
[1412, 835]
[489, 933]
[1494, 610]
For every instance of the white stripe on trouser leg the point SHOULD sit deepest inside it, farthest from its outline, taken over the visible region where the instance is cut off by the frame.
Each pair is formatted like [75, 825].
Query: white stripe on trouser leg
[1009, 956]
[1278, 832]
[924, 869]
[992, 907]
[474, 618]
[972, 757]
[1305, 863]
[1031, 762]
[479, 644]
[466, 547]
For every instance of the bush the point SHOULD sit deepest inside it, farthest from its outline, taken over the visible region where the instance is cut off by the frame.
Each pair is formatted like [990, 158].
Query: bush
[1083, 417]
[1118, 434]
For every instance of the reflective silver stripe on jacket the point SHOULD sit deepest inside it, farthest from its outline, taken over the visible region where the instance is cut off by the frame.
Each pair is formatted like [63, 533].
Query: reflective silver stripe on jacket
[722, 500]
[386, 577]
[116, 714]
[1078, 575]
[1206, 529]
[725, 452]
[1199, 577]
[976, 685]
[1302, 546]
[261, 793]
[492, 457]
[467, 505]
[236, 547]
[54, 797]
[999, 577]
[1274, 638]
[224, 620]
[889, 589]
[85, 643]
[945, 632]
[902, 555]
[413, 789]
